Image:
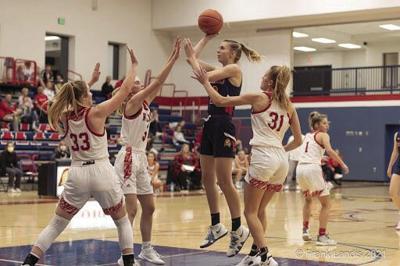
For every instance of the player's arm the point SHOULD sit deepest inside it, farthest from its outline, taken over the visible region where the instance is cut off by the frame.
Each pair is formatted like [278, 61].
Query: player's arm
[393, 156]
[219, 100]
[106, 108]
[95, 75]
[295, 128]
[325, 140]
[198, 48]
[150, 92]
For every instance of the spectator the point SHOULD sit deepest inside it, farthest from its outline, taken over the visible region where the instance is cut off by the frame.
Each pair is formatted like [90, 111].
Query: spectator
[41, 105]
[25, 103]
[119, 82]
[9, 165]
[9, 112]
[335, 172]
[58, 83]
[62, 151]
[107, 88]
[154, 167]
[27, 72]
[185, 172]
[49, 91]
[240, 166]
[155, 127]
[46, 75]
[179, 138]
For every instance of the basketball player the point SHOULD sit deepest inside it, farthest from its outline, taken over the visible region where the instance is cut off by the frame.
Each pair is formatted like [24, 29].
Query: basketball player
[272, 115]
[131, 161]
[91, 173]
[217, 144]
[394, 189]
[310, 177]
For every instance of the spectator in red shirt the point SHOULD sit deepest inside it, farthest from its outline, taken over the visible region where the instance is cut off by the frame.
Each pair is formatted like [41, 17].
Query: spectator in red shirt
[119, 83]
[41, 104]
[9, 112]
[185, 172]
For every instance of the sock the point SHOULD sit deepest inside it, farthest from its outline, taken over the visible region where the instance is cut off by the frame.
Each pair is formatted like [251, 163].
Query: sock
[235, 223]
[125, 234]
[146, 244]
[51, 232]
[305, 225]
[30, 260]
[264, 254]
[128, 259]
[254, 250]
[215, 218]
[322, 231]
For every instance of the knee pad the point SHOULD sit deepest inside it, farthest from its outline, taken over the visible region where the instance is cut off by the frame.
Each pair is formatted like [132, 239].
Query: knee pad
[51, 232]
[125, 233]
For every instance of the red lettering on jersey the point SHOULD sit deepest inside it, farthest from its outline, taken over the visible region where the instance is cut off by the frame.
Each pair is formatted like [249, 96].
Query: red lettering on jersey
[84, 137]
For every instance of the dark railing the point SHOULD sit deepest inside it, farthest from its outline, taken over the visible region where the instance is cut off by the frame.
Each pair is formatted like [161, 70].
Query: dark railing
[347, 81]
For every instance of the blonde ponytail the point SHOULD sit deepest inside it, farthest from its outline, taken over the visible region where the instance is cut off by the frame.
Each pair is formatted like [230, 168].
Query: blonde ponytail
[251, 54]
[280, 76]
[315, 118]
[67, 99]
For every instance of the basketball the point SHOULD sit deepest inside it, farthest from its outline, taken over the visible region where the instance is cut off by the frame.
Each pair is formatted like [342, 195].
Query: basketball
[210, 21]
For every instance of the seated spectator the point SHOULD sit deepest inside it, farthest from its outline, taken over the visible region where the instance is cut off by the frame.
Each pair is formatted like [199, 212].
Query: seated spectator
[62, 151]
[9, 164]
[9, 112]
[41, 105]
[179, 138]
[107, 88]
[154, 167]
[25, 103]
[49, 90]
[46, 76]
[58, 83]
[25, 72]
[155, 127]
[185, 171]
[240, 166]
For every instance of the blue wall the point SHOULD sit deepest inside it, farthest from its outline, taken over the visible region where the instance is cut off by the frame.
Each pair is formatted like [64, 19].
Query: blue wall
[364, 135]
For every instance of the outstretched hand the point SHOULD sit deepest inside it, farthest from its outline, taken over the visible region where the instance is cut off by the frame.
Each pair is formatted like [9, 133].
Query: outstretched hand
[176, 49]
[95, 74]
[190, 53]
[201, 75]
[134, 60]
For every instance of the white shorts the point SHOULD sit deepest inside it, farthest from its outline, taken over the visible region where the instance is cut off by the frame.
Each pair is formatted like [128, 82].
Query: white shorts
[133, 173]
[96, 179]
[311, 180]
[268, 168]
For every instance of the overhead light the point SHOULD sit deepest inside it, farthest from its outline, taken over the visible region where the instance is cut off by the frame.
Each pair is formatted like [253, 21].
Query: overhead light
[52, 38]
[304, 49]
[390, 27]
[299, 35]
[323, 40]
[350, 46]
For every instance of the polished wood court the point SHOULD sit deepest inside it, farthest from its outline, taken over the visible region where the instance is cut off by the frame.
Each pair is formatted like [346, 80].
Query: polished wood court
[363, 222]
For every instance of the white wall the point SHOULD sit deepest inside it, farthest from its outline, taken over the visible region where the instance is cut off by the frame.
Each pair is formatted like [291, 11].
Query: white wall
[121, 21]
[274, 45]
[185, 12]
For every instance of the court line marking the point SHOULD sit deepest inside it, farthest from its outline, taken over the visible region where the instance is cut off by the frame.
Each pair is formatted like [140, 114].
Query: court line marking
[20, 262]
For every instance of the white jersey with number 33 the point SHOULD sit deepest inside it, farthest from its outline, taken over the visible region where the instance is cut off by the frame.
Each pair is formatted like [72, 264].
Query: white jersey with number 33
[269, 125]
[312, 150]
[135, 129]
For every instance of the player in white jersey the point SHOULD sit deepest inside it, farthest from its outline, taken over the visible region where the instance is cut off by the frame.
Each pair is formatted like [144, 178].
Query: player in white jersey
[91, 173]
[272, 115]
[131, 161]
[310, 177]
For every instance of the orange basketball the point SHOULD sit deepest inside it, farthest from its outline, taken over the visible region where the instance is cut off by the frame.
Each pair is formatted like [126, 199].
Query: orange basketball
[210, 21]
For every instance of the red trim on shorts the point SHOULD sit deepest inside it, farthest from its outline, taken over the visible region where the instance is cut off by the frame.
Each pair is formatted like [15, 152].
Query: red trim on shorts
[265, 185]
[315, 138]
[134, 116]
[269, 104]
[87, 125]
[127, 163]
[68, 208]
[113, 209]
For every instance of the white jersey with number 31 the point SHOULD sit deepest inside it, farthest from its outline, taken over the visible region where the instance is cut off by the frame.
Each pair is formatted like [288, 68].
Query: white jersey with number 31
[269, 125]
[135, 129]
[312, 150]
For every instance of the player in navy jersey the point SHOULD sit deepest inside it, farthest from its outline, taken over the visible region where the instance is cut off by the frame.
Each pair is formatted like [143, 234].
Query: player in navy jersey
[91, 173]
[217, 149]
[394, 174]
[272, 115]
